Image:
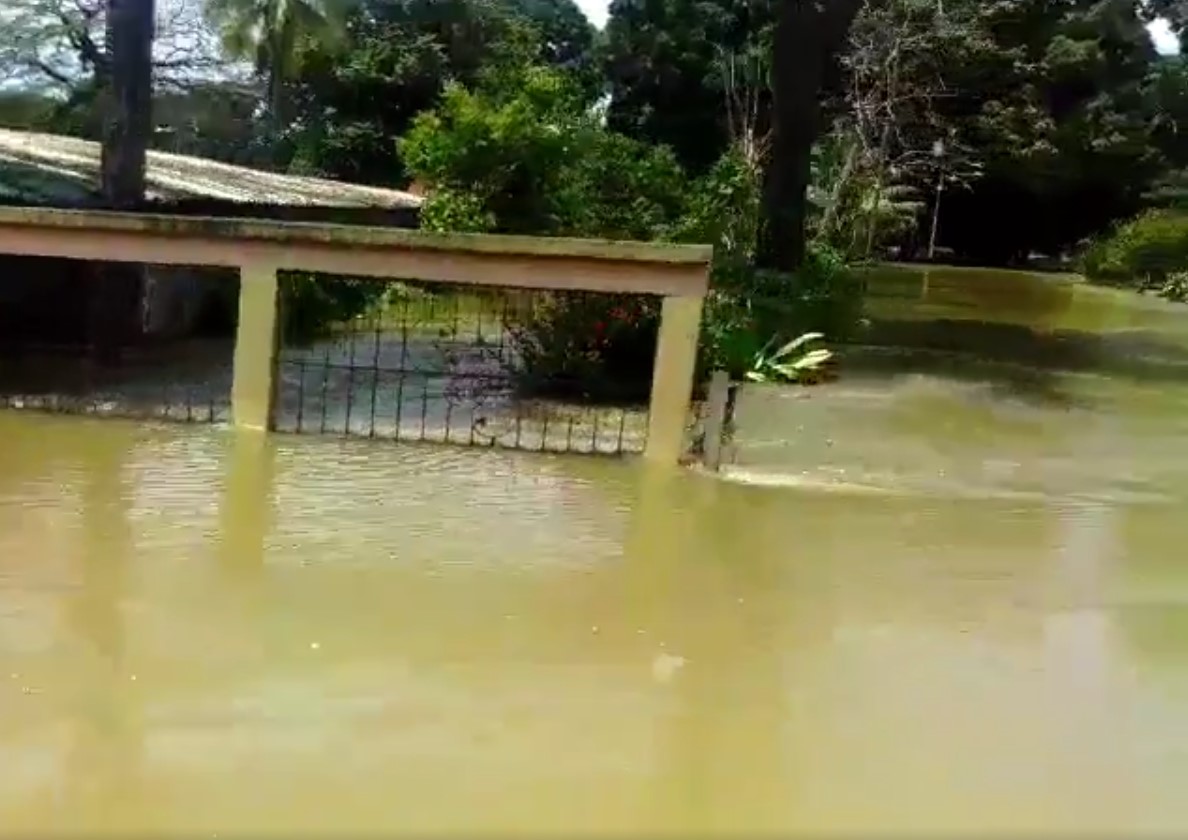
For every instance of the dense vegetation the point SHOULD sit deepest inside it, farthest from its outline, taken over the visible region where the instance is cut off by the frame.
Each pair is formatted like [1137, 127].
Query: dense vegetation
[1148, 253]
[796, 136]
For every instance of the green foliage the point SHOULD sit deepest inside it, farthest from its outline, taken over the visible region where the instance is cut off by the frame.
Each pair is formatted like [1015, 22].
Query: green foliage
[1175, 287]
[593, 347]
[1144, 252]
[799, 360]
[456, 211]
[395, 60]
[1170, 191]
[311, 304]
[662, 62]
[722, 209]
[748, 311]
[505, 147]
[1066, 108]
[619, 188]
[523, 152]
[1054, 98]
[1167, 92]
[268, 32]
[536, 158]
[353, 74]
[27, 111]
[858, 204]
[530, 157]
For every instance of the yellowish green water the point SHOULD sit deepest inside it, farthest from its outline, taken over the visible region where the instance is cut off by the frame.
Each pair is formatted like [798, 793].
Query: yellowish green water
[948, 593]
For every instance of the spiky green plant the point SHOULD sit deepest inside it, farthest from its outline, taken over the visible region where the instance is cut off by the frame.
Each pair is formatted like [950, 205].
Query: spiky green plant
[795, 361]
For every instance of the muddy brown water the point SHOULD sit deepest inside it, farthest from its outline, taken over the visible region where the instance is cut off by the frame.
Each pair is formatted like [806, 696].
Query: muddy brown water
[948, 593]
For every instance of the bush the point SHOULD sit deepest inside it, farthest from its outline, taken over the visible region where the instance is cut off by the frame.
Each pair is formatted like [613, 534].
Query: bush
[723, 208]
[594, 347]
[748, 309]
[534, 157]
[1143, 252]
[1175, 288]
[531, 155]
[312, 304]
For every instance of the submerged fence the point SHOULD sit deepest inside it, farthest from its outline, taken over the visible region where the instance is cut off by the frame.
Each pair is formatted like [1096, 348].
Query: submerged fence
[476, 340]
[51, 312]
[465, 365]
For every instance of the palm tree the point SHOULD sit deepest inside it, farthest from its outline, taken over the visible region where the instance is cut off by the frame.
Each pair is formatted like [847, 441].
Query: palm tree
[267, 33]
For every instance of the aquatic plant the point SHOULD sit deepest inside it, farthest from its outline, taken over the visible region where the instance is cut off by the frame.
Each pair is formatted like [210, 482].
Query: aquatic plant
[796, 361]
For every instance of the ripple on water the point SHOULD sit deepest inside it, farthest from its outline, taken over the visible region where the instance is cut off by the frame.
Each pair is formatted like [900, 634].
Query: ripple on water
[486, 613]
[859, 483]
[333, 501]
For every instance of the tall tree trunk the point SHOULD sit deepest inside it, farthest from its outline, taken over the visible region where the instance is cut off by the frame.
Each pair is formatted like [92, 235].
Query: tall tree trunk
[129, 117]
[126, 90]
[808, 36]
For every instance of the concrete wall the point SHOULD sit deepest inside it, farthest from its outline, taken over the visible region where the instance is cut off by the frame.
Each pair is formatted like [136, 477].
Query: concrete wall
[45, 301]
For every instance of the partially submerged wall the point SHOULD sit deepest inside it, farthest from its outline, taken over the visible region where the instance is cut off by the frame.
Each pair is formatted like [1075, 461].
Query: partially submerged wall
[46, 301]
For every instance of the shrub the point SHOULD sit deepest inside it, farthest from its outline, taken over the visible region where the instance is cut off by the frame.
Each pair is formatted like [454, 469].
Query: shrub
[1175, 287]
[594, 347]
[1143, 252]
[530, 155]
[748, 309]
[723, 209]
[533, 157]
[312, 304]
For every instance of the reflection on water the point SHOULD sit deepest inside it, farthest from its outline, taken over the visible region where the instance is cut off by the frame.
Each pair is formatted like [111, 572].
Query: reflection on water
[948, 608]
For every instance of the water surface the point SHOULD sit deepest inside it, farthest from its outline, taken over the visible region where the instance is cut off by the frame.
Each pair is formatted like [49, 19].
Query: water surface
[947, 593]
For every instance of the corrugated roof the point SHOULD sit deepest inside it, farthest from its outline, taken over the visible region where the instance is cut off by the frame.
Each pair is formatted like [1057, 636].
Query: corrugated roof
[47, 166]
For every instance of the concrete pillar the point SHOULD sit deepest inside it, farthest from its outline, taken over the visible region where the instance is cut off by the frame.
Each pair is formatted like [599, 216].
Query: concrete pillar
[672, 378]
[253, 392]
[715, 418]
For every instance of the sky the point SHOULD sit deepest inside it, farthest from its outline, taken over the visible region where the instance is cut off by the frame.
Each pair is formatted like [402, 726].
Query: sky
[595, 10]
[1161, 34]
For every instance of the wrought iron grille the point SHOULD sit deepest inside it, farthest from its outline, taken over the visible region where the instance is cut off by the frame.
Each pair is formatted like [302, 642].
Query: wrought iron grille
[469, 366]
[402, 361]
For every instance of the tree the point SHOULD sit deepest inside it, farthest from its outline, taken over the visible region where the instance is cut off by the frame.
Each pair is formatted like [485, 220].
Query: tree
[58, 46]
[1168, 89]
[663, 61]
[267, 33]
[564, 37]
[1054, 98]
[889, 146]
[524, 152]
[808, 36]
[530, 154]
[395, 61]
[125, 84]
[57, 50]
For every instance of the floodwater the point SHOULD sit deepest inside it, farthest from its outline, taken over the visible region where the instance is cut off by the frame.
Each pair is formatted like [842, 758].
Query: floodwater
[947, 593]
